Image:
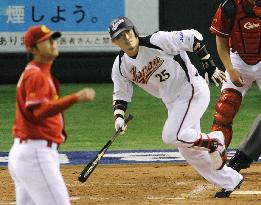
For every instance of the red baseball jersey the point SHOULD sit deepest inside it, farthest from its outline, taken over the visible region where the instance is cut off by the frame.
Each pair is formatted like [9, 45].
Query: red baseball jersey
[36, 86]
[221, 25]
[242, 29]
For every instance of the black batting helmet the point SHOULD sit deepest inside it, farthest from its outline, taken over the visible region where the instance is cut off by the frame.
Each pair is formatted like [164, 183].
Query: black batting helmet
[119, 25]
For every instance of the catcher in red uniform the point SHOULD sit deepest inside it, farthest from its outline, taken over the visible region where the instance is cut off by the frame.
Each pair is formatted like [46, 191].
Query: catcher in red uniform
[237, 26]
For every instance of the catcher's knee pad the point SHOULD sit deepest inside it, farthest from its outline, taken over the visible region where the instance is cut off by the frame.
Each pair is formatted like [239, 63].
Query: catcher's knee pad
[226, 109]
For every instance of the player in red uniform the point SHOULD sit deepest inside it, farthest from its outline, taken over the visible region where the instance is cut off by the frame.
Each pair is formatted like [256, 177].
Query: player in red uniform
[237, 26]
[39, 126]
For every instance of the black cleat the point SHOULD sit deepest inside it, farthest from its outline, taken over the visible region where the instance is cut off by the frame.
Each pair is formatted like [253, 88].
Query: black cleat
[225, 194]
[239, 161]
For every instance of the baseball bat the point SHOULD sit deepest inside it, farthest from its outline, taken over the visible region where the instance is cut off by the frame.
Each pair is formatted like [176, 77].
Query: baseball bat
[89, 168]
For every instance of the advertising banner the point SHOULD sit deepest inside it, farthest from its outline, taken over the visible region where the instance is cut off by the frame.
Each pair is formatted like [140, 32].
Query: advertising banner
[83, 23]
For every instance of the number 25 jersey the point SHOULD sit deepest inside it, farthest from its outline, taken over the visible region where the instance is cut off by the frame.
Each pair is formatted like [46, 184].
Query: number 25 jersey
[161, 67]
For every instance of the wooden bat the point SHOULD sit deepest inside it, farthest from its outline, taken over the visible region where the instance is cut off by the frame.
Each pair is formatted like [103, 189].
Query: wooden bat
[89, 168]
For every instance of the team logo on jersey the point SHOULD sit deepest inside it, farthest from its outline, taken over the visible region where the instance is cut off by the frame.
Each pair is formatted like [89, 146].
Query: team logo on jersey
[144, 75]
[181, 36]
[250, 25]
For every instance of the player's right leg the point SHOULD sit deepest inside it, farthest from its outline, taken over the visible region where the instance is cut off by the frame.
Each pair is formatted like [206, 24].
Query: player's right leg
[37, 169]
[228, 105]
[49, 186]
[227, 179]
[182, 128]
[22, 197]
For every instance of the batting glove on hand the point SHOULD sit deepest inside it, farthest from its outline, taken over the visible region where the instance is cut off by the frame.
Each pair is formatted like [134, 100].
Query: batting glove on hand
[217, 77]
[213, 73]
[120, 125]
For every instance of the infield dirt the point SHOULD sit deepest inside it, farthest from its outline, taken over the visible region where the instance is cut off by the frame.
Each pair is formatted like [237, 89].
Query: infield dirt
[140, 184]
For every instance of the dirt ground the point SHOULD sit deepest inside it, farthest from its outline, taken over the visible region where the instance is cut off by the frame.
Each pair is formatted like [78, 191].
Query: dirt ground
[143, 184]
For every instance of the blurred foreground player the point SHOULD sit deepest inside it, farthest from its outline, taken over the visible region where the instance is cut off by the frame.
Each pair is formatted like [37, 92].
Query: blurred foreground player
[39, 125]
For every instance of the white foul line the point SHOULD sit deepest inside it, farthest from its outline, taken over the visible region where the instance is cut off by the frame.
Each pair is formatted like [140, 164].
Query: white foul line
[246, 192]
[164, 198]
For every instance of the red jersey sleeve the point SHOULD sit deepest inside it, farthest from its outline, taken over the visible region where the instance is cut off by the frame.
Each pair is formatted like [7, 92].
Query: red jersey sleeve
[55, 106]
[221, 25]
[36, 88]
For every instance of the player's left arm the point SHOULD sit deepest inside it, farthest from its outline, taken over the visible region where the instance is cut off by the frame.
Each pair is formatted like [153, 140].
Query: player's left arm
[211, 70]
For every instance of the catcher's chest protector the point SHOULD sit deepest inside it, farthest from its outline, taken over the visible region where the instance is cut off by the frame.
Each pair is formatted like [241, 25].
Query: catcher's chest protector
[246, 36]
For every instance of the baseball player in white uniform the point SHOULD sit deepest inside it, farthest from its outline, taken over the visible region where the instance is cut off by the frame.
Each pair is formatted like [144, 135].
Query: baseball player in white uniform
[160, 65]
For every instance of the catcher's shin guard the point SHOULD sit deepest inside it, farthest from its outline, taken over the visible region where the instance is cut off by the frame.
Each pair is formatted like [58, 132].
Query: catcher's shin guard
[215, 146]
[226, 109]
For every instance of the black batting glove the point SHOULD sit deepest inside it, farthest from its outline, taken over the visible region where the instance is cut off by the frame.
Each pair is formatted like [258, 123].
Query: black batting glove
[213, 73]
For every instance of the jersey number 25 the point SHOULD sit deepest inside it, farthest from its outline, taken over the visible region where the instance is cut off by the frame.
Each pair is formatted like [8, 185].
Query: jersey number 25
[163, 76]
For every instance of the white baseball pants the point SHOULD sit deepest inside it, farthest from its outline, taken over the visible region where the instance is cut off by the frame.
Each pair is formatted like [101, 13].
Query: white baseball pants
[182, 129]
[35, 170]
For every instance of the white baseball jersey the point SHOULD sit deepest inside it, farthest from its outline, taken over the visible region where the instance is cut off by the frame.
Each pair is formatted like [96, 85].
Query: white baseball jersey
[162, 66]
[163, 69]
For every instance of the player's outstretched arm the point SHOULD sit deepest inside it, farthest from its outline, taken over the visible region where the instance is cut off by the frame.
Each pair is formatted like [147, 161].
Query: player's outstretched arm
[54, 107]
[86, 94]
